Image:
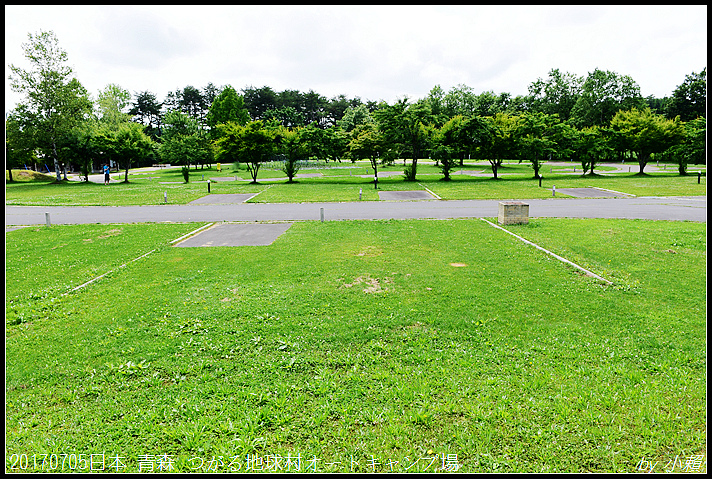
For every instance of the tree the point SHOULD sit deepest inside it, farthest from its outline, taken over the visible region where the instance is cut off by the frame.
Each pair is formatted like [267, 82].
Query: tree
[645, 133]
[126, 144]
[227, 106]
[315, 141]
[689, 100]
[192, 103]
[460, 100]
[603, 93]
[314, 108]
[498, 140]
[436, 100]
[19, 145]
[112, 103]
[147, 111]
[462, 135]
[353, 117]
[259, 100]
[406, 129]
[535, 137]
[293, 149]
[54, 101]
[252, 144]
[184, 142]
[335, 143]
[692, 148]
[286, 116]
[210, 93]
[556, 95]
[591, 146]
[367, 142]
[335, 109]
[83, 146]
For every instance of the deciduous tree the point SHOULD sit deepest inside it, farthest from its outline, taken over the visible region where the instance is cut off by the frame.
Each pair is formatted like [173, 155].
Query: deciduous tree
[252, 144]
[645, 133]
[54, 101]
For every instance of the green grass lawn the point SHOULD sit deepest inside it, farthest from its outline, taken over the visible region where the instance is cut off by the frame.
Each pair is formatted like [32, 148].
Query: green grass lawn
[336, 184]
[354, 345]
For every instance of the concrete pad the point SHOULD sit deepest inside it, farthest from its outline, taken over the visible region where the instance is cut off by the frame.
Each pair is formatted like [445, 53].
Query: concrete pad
[405, 195]
[231, 234]
[222, 199]
[224, 178]
[588, 193]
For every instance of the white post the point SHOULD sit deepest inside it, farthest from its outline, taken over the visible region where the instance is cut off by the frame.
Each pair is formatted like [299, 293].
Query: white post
[553, 190]
[47, 220]
[165, 197]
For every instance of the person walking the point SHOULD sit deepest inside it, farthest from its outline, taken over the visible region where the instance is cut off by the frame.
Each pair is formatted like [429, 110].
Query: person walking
[106, 174]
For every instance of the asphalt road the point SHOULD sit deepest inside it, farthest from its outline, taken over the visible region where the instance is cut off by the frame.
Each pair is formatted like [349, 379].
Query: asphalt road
[649, 208]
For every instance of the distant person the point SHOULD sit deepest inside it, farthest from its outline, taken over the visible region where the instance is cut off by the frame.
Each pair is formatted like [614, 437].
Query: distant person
[106, 174]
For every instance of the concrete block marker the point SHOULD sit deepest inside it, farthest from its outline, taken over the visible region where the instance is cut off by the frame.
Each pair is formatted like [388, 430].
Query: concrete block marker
[513, 213]
[564, 260]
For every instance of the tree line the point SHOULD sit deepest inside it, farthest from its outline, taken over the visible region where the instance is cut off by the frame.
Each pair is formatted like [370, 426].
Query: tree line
[599, 117]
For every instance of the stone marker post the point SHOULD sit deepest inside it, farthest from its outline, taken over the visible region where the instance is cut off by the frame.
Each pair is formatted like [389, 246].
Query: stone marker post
[513, 213]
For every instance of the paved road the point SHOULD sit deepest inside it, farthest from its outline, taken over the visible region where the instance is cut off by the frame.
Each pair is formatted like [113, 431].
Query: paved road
[650, 208]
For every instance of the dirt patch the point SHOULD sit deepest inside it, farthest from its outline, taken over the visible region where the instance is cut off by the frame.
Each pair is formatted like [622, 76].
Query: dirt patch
[370, 251]
[372, 285]
[458, 265]
[110, 233]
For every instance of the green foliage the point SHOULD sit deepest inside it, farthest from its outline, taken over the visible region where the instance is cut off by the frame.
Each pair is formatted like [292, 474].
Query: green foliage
[184, 142]
[293, 149]
[557, 94]
[646, 133]
[112, 103]
[147, 111]
[19, 145]
[536, 136]
[603, 93]
[128, 144]
[498, 140]
[693, 147]
[54, 101]
[689, 100]
[252, 144]
[591, 146]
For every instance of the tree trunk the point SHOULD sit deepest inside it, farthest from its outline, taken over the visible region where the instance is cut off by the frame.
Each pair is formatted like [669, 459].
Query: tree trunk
[643, 159]
[9, 172]
[56, 161]
[494, 169]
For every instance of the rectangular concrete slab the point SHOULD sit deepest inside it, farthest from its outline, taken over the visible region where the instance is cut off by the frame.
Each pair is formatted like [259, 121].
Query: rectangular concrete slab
[405, 195]
[232, 234]
[588, 193]
[222, 199]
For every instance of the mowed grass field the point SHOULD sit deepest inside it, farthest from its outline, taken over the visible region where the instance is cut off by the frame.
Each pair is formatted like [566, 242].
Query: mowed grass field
[344, 183]
[404, 346]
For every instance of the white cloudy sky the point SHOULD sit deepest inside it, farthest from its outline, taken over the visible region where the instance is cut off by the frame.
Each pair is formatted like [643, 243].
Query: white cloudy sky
[373, 52]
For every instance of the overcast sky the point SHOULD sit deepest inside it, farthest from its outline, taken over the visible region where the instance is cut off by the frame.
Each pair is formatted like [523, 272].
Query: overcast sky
[373, 52]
